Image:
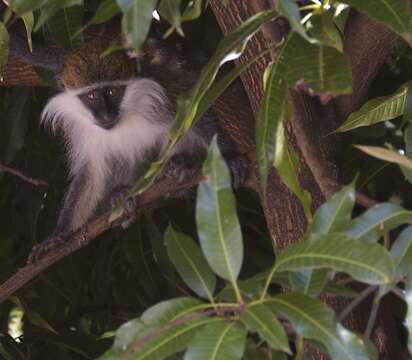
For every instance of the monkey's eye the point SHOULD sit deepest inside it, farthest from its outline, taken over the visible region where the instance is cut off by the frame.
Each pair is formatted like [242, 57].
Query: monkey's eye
[92, 95]
[112, 91]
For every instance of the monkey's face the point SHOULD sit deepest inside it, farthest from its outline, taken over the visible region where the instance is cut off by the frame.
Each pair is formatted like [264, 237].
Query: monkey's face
[104, 103]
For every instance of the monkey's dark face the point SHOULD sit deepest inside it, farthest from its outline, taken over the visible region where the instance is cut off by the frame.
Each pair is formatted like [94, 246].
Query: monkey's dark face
[104, 103]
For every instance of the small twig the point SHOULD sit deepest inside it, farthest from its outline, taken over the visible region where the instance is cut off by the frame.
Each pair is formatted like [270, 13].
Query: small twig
[355, 302]
[372, 316]
[19, 174]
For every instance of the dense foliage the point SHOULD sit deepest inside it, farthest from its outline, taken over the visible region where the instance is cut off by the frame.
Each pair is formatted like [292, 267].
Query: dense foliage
[197, 278]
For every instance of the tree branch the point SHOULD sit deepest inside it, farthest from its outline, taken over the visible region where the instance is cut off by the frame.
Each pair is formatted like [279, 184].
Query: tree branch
[19, 174]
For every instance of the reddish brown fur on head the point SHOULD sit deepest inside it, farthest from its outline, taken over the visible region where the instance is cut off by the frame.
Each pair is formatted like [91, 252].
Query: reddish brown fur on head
[88, 65]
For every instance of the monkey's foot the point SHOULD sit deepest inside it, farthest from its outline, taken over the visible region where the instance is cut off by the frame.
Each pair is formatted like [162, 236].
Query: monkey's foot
[180, 168]
[42, 249]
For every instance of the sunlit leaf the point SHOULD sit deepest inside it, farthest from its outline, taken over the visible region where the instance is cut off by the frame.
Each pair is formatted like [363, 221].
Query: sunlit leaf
[22, 6]
[137, 17]
[313, 320]
[371, 225]
[219, 341]
[260, 318]
[369, 263]
[378, 110]
[217, 222]
[190, 263]
[386, 155]
[192, 11]
[395, 14]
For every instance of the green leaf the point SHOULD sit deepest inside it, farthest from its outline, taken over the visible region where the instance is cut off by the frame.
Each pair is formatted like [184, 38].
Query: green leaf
[309, 282]
[371, 225]
[395, 14]
[408, 300]
[229, 48]
[170, 11]
[378, 110]
[169, 310]
[192, 11]
[290, 10]
[22, 6]
[260, 318]
[335, 214]
[218, 341]
[106, 10]
[369, 263]
[52, 7]
[313, 320]
[401, 252]
[271, 114]
[325, 30]
[65, 27]
[28, 20]
[217, 222]
[137, 17]
[323, 68]
[386, 155]
[286, 163]
[190, 263]
[4, 48]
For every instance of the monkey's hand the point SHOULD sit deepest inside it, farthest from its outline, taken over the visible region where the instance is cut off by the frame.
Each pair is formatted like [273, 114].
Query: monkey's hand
[115, 199]
[182, 167]
[51, 243]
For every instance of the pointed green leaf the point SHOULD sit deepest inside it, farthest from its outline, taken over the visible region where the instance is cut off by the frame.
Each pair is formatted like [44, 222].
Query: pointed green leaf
[309, 282]
[28, 20]
[395, 14]
[217, 222]
[190, 263]
[271, 114]
[286, 163]
[193, 10]
[170, 11]
[106, 10]
[4, 48]
[229, 48]
[137, 17]
[290, 10]
[386, 155]
[321, 67]
[401, 252]
[369, 263]
[169, 310]
[218, 341]
[325, 30]
[52, 7]
[22, 6]
[65, 27]
[260, 318]
[372, 224]
[335, 214]
[377, 110]
[313, 320]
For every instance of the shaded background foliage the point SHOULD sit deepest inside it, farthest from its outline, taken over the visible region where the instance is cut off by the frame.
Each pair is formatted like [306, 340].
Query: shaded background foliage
[72, 310]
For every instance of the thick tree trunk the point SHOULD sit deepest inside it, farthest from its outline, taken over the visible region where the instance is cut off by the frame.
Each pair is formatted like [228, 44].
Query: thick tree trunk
[368, 45]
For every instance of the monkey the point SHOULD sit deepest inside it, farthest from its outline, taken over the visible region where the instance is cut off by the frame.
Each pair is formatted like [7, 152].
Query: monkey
[115, 120]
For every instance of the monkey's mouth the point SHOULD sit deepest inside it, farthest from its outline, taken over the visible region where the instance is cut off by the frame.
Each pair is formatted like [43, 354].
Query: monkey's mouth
[107, 123]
